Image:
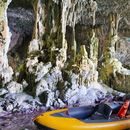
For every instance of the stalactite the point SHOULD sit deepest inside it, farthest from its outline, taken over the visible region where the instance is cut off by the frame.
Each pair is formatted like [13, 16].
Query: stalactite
[5, 35]
[94, 40]
[35, 7]
[74, 44]
[65, 10]
[38, 31]
[38, 27]
[93, 8]
[71, 15]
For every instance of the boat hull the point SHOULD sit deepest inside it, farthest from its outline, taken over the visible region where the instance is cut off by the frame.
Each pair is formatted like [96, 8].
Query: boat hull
[47, 121]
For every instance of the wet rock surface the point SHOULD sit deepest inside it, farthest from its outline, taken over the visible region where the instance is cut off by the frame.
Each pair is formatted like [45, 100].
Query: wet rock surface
[18, 120]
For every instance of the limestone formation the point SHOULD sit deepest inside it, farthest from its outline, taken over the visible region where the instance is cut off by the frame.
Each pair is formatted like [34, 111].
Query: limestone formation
[6, 71]
[94, 45]
[38, 31]
[93, 8]
[62, 65]
[112, 64]
[14, 87]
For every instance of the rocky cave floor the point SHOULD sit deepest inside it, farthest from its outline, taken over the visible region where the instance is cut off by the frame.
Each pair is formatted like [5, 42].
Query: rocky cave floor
[18, 120]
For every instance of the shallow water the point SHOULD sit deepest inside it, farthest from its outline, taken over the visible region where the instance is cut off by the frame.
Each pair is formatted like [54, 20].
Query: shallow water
[18, 121]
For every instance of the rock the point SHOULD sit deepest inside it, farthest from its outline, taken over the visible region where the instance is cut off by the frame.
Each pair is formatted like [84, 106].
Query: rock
[20, 101]
[42, 70]
[47, 82]
[6, 71]
[82, 86]
[112, 91]
[85, 95]
[3, 91]
[34, 46]
[25, 84]
[6, 74]
[92, 95]
[41, 87]
[31, 63]
[1, 109]
[123, 51]
[14, 87]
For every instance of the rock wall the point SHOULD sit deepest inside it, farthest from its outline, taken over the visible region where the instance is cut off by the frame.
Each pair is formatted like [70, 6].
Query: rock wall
[6, 71]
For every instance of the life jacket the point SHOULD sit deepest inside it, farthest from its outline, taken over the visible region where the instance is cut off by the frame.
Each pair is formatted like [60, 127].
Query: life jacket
[123, 110]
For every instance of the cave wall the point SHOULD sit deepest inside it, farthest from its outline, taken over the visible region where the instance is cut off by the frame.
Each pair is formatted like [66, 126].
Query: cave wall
[6, 71]
[69, 47]
[21, 21]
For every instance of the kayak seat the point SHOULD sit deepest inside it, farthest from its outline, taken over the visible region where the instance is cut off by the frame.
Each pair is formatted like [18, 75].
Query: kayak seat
[81, 112]
[103, 111]
[106, 111]
[97, 116]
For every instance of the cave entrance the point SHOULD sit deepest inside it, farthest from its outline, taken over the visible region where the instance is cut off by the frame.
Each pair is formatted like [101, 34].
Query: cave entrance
[21, 22]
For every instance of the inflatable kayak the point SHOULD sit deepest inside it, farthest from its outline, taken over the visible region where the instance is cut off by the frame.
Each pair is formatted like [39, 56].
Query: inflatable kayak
[100, 117]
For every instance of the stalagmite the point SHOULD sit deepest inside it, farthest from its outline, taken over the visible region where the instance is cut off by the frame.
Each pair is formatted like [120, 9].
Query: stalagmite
[88, 72]
[94, 49]
[111, 60]
[6, 71]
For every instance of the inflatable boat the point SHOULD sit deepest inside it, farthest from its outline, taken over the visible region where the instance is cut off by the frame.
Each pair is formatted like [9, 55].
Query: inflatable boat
[99, 117]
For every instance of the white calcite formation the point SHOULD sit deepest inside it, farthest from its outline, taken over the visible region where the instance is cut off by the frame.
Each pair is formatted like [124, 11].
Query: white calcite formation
[77, 11]
[47, 77]
[113, 61]
[87, 67]
[42, 70]
[85, 89]
[123, 51]
[31, 63]
[5, 71]
[48, 84]
[94, 49]
[14, 87]
[6, 74]
[91, 96]
[82, 86]
[86, 94]
[3, 91]
[34, 46]
[74, 12]
[20, 101]
[16, 100]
